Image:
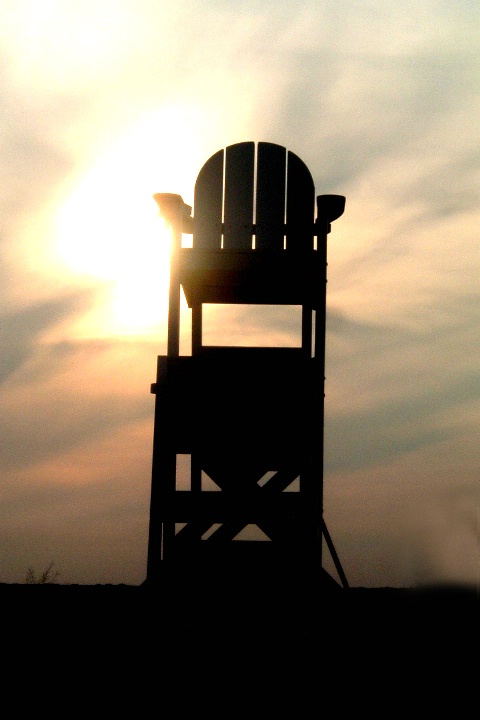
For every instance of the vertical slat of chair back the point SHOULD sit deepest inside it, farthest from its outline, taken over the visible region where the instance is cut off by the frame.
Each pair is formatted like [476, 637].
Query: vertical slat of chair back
[208, 200]
[300, 204]
[270, 196]
[238, 203]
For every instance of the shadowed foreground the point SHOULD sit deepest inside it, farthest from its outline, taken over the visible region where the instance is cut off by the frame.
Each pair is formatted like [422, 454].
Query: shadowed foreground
[228, 614]
[233, 649]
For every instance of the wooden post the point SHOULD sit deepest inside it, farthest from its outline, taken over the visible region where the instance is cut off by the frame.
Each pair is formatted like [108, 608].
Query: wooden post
[175, 211]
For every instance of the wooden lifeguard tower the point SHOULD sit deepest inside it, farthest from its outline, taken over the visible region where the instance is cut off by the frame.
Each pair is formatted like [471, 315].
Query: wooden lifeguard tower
[250, 419]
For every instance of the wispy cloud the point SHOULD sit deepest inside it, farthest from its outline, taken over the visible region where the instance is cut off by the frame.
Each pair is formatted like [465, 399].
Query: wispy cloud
[68, 395]
[22, 330]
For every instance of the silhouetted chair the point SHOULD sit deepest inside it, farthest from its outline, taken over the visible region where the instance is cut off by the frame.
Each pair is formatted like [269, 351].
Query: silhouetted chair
[249, 418]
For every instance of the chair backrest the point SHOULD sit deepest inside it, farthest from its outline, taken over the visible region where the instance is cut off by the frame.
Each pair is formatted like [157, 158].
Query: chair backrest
[254, 197]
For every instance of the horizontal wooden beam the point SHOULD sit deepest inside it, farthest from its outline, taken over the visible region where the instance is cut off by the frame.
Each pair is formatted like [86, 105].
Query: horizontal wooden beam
[275, 277]
[249, 508]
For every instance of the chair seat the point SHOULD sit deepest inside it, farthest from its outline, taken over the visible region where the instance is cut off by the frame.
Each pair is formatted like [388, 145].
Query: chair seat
[275, 277]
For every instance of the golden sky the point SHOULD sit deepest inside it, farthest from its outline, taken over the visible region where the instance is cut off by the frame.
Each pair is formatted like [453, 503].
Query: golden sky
[105, 103]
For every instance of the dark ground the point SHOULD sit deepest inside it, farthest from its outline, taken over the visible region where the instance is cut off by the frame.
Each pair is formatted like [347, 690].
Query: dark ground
[229, 649]
[218, 613]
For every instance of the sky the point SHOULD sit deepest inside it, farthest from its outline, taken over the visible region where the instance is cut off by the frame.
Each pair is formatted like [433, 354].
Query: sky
[105, 103]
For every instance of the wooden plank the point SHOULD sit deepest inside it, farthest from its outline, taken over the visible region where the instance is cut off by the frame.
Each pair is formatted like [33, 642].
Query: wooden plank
[270, 197]
[238, 205]
[251, 276]
[208, 204]
[249, 508]
[300, 204]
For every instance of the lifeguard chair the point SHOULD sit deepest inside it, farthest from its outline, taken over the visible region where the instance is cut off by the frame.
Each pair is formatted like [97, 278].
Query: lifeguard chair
[250, 419]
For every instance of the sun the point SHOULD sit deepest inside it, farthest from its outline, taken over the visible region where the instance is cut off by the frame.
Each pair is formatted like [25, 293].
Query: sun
[109, 232]
[117, 241]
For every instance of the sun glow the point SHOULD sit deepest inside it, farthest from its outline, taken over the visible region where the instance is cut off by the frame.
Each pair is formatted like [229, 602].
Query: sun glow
[124, 248]
[109, 232]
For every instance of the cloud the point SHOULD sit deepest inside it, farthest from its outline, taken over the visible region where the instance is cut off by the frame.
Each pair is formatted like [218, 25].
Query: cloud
[376, 434]
[445, 539]
[449, 186]
[393, 389]
[72, 393]
[33, 158]
[250, 325]
[21, 330]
